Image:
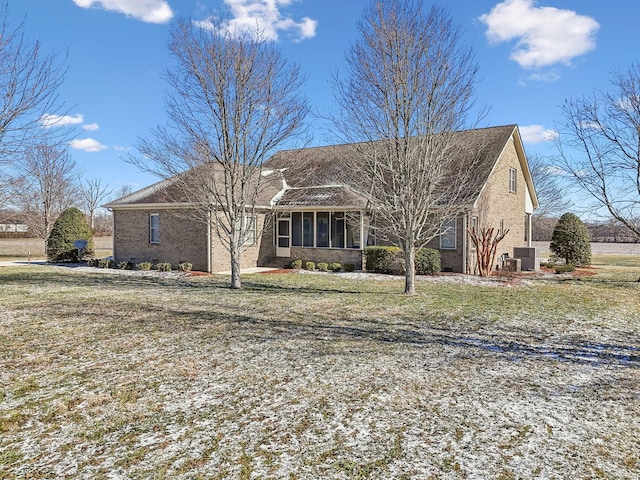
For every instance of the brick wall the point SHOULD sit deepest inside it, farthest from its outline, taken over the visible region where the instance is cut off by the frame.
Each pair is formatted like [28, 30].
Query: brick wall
[182, 238]
[497, 204]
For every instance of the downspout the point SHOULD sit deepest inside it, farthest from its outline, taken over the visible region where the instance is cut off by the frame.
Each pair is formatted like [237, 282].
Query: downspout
[113, 233]
[209, 249]
[529, 229]
[464, 242]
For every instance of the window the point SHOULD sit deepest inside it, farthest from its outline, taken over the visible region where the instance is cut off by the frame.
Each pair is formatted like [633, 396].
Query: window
[154, 228]
[448, 235]
[513, 175]
[307, 229]
[250, 229]
[296, 229]
[322, 229]
[337, 230]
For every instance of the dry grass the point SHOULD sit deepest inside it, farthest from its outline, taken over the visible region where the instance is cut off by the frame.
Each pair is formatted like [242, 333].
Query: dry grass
[316, 376]
[21, 248]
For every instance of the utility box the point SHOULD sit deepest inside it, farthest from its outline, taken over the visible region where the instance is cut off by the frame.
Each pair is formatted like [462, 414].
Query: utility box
[529, 257]
[512, 265]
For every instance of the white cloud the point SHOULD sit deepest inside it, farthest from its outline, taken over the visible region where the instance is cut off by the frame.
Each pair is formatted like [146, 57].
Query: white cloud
[537, 134]
[548, 76]
[119, 148]
[545, 35]
[264, 16]
[50, 120]
[150, 11]
[87, 145]
[90, 127]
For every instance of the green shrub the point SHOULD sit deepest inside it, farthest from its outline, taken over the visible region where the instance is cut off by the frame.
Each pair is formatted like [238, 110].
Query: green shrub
[144, 266]
[335, 267]
[382, 259]
[70, 226]
[185, 266]
[310, 266]
[323, 266]
[349, 267]
[427, 261]
[92, 262]
[568, 268]
[103, 263]
[296, 264]
[570, 240]
[163, 266]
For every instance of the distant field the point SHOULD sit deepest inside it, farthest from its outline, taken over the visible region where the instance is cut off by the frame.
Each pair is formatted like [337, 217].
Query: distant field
[19, 248]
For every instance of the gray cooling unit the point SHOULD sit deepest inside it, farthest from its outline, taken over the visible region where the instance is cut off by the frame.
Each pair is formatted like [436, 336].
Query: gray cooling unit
[529, 257]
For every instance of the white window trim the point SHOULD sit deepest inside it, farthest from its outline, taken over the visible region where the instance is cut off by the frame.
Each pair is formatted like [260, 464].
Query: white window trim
[447, 228]
[151, 229]
[513, 180]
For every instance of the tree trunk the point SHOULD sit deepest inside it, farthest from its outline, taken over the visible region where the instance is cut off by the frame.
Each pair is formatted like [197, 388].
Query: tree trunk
[235, 269]
[410, 270]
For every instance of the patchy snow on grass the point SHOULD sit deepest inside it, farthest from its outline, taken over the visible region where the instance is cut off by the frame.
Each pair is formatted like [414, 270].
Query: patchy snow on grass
[316, 376]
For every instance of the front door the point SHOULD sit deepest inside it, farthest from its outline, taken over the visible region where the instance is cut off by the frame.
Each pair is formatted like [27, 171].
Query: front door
[283, 238]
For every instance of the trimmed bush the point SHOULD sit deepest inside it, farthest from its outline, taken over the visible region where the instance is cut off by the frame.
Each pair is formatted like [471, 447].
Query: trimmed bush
[349, 267]
[92, 262]
[126, 265]
[323, 266]
[382, 259]
[310, 266]
[163, 266]
[427, 261]
[70, 226]
[568, 268]
[335, 267]
[296, 264]
[185, 266]
[570, 240]
[144, 266]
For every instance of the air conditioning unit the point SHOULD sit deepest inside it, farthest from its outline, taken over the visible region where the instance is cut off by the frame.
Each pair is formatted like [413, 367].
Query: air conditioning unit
[529, 257]
[512, 264]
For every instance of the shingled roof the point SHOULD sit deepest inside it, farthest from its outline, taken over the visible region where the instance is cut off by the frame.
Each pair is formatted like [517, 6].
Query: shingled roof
[308, 169]
[315, 176]
[177, 190]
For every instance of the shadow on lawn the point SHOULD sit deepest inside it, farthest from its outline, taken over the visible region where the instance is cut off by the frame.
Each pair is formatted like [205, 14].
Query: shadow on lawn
[578, 351]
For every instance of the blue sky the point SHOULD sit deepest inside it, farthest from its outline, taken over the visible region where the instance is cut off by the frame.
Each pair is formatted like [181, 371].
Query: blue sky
[531, 54]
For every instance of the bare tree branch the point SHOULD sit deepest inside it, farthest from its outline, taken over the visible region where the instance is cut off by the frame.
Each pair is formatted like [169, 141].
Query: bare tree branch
[599, 145]
[550, 192]
[44, 185]
[409, 87]
[29, 80]
[92, 193]
[233, 101]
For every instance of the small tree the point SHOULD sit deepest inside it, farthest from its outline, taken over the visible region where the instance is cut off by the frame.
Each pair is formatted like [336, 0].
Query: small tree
[486, 242]
[570, 240]
[70, 226]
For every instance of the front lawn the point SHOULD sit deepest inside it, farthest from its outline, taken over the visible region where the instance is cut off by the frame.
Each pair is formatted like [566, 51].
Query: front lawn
[316, 376]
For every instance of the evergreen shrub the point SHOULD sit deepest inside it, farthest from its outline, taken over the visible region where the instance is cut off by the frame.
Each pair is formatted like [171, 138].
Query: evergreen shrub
[70, 226]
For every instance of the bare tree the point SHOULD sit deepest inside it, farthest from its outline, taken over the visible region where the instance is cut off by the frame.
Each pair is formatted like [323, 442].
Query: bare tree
[409, 88]
[485, 241]
[234, 99]
[29, 80]
[92, 193]
[44, 185]
[599, 145]
[549, 190]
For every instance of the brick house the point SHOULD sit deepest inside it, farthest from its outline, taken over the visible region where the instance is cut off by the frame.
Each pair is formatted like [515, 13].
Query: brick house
[307, 213]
